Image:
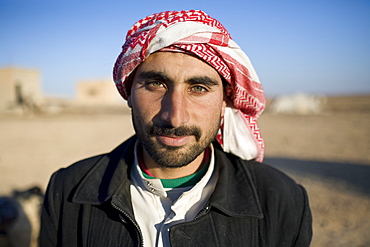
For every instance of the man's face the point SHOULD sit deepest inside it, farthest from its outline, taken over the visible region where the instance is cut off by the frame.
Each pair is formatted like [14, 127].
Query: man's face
[177, 103]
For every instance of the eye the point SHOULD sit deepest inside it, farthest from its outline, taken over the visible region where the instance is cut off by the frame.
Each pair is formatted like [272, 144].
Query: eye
[198, 89]
[155, 84]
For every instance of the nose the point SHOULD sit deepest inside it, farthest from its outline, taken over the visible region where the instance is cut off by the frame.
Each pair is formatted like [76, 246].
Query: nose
[174, 109]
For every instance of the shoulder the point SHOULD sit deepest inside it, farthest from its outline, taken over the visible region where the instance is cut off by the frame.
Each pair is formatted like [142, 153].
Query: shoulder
[262, 176]
[282, 202]
[273, 184]
[265, 178]
[270, 184]
[71, 176]
[75, 172]
[270, 177]
[279, 194]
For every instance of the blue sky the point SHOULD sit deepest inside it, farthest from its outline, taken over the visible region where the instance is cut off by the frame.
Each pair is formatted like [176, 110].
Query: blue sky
[320, 47]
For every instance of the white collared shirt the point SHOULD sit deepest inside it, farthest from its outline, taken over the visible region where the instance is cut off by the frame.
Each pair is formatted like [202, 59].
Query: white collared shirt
[156, 209]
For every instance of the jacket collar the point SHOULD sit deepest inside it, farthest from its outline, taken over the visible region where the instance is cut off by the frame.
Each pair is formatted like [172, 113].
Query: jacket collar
[108, 179]
[235, 182]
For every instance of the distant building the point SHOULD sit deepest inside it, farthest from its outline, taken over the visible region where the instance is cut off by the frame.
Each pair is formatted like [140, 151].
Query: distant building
[19, 88]
[98, 92]
[298, 103]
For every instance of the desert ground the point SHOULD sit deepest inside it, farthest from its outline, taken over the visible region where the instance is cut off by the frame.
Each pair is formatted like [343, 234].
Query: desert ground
[328, 153]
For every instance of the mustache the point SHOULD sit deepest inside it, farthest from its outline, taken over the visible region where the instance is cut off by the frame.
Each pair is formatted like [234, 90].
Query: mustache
[179, 131]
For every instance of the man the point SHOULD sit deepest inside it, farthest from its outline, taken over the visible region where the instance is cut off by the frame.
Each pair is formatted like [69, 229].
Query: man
[190, 176]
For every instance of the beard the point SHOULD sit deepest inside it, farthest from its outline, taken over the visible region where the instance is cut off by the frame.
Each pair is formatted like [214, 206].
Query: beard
[173, 156]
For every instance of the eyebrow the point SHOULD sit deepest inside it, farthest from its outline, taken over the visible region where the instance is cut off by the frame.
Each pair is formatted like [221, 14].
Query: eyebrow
[145, 75]
[203, 80]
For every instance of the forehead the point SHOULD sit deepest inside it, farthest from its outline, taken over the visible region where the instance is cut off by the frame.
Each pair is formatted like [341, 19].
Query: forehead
[180, 65]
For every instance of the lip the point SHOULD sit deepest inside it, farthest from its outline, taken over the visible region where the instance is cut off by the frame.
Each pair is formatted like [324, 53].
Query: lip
[175, 141]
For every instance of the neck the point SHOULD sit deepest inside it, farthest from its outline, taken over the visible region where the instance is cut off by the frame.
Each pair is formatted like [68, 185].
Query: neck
[170, 173]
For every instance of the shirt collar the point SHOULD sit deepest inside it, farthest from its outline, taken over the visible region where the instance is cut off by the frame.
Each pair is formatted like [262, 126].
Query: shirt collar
[154, 185]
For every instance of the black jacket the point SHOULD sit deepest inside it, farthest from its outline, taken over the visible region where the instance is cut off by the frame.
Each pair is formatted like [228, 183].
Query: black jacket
[89, 204]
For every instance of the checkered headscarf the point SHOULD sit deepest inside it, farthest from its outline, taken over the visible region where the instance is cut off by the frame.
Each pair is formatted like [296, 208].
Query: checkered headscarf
[199, 34]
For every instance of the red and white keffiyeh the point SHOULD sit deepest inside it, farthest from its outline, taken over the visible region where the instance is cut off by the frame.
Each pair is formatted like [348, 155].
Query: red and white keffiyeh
[199, 34]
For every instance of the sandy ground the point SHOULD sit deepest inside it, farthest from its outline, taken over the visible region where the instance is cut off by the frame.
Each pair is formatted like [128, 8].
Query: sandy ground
[328, 153]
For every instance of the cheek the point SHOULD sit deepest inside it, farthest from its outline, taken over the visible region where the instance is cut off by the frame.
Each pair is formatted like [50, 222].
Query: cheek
[216, 106]
[144, 107]
[209, 113]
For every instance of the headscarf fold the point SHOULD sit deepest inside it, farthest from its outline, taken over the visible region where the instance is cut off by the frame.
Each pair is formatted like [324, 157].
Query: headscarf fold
[199, 34]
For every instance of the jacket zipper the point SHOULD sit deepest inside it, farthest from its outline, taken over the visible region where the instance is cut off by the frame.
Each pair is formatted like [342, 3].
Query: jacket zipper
[132, 221]
[202, 212]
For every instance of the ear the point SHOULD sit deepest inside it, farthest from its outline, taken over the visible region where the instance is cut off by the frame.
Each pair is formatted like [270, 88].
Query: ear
[129, 101]
[224, 104]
